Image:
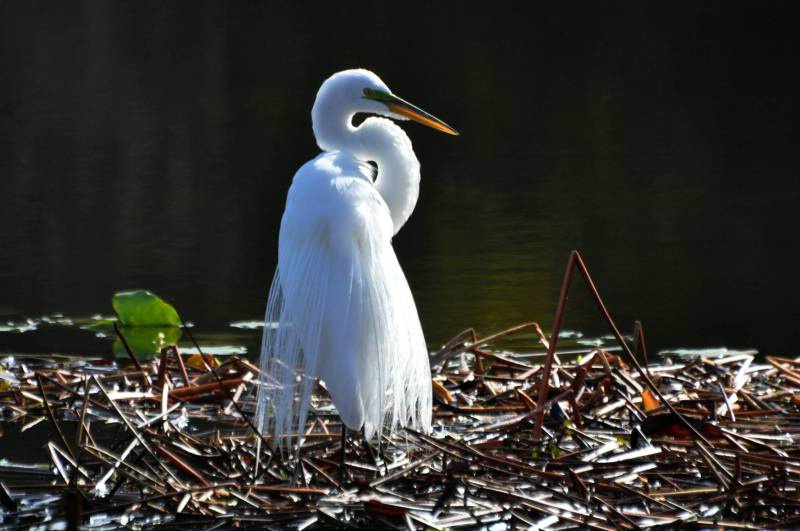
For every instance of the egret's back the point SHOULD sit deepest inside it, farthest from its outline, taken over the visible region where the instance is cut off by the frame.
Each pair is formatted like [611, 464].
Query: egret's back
[340, 309]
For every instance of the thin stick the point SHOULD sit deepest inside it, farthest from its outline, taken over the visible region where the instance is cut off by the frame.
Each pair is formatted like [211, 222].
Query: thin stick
[181, 365]
[82, 424]
[52, 418]
[132, 356]
[125, 344]
[551, 349]
[639, 345]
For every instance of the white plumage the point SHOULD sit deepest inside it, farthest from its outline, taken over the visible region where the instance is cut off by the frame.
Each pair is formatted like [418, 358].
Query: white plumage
[340, 308]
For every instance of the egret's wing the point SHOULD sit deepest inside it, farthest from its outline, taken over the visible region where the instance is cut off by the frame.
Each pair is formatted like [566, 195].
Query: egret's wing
[340, 309]
[394, 372]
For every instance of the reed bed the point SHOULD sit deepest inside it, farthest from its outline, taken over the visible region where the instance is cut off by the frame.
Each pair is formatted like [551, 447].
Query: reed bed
[604, 442]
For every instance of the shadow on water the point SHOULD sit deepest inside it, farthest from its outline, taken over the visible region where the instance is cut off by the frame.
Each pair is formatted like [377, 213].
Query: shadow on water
[151, 145]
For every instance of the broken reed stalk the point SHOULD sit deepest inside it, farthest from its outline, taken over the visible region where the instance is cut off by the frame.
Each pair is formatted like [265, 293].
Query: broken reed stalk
[132, 356]
[639, 344]
[551, 349]
[575, 260]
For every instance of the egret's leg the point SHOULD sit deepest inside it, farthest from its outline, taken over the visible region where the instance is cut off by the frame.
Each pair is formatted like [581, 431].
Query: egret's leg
[344, 449]
[296, 473]
[380, 455]
[370, 451]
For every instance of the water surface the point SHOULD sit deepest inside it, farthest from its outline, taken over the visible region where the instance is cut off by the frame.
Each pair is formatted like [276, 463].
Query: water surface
[151, 145]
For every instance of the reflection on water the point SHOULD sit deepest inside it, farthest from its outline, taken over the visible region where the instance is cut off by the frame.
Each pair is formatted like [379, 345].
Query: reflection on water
[243, 338]
[151, 145]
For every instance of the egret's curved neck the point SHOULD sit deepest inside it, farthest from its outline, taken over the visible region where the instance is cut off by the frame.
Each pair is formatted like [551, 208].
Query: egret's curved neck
[398, 168]
[332, 122]
[378, 140]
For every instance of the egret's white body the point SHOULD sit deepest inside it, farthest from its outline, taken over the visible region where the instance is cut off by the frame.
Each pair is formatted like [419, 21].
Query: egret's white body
[340, 308]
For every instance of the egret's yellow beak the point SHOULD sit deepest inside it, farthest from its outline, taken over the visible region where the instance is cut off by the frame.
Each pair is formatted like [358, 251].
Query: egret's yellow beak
[398, 105]
[403, 108]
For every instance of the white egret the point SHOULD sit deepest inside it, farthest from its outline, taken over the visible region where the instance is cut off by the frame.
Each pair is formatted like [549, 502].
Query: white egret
[340, 308]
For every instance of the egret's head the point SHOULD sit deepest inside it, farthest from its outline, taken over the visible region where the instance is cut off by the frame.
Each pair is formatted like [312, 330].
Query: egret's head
[344, 91]
[349, 92]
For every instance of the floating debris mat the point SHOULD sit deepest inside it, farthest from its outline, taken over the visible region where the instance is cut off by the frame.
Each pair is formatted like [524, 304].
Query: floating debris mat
[169, 444]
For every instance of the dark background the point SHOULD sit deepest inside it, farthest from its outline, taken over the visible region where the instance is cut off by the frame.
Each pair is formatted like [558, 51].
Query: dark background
[151, 144]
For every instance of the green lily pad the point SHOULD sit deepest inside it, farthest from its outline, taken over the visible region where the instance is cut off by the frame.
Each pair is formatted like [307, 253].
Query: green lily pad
[146, 341]
[143, 308]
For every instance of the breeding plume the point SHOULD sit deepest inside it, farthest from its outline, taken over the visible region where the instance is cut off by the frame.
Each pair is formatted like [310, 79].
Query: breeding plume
[340, 308]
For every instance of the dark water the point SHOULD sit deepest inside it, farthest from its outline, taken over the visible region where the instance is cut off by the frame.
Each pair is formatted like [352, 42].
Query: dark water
[151, 144]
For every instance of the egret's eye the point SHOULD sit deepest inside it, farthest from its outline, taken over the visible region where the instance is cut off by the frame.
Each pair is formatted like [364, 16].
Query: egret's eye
[368, 92]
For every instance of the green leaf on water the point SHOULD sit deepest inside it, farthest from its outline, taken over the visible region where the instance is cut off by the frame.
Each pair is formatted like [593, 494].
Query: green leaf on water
[146, 341]
[143, 308]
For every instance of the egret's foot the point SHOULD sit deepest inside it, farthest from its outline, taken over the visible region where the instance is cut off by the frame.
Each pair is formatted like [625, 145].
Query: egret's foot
[371, 452]
[378, 456]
